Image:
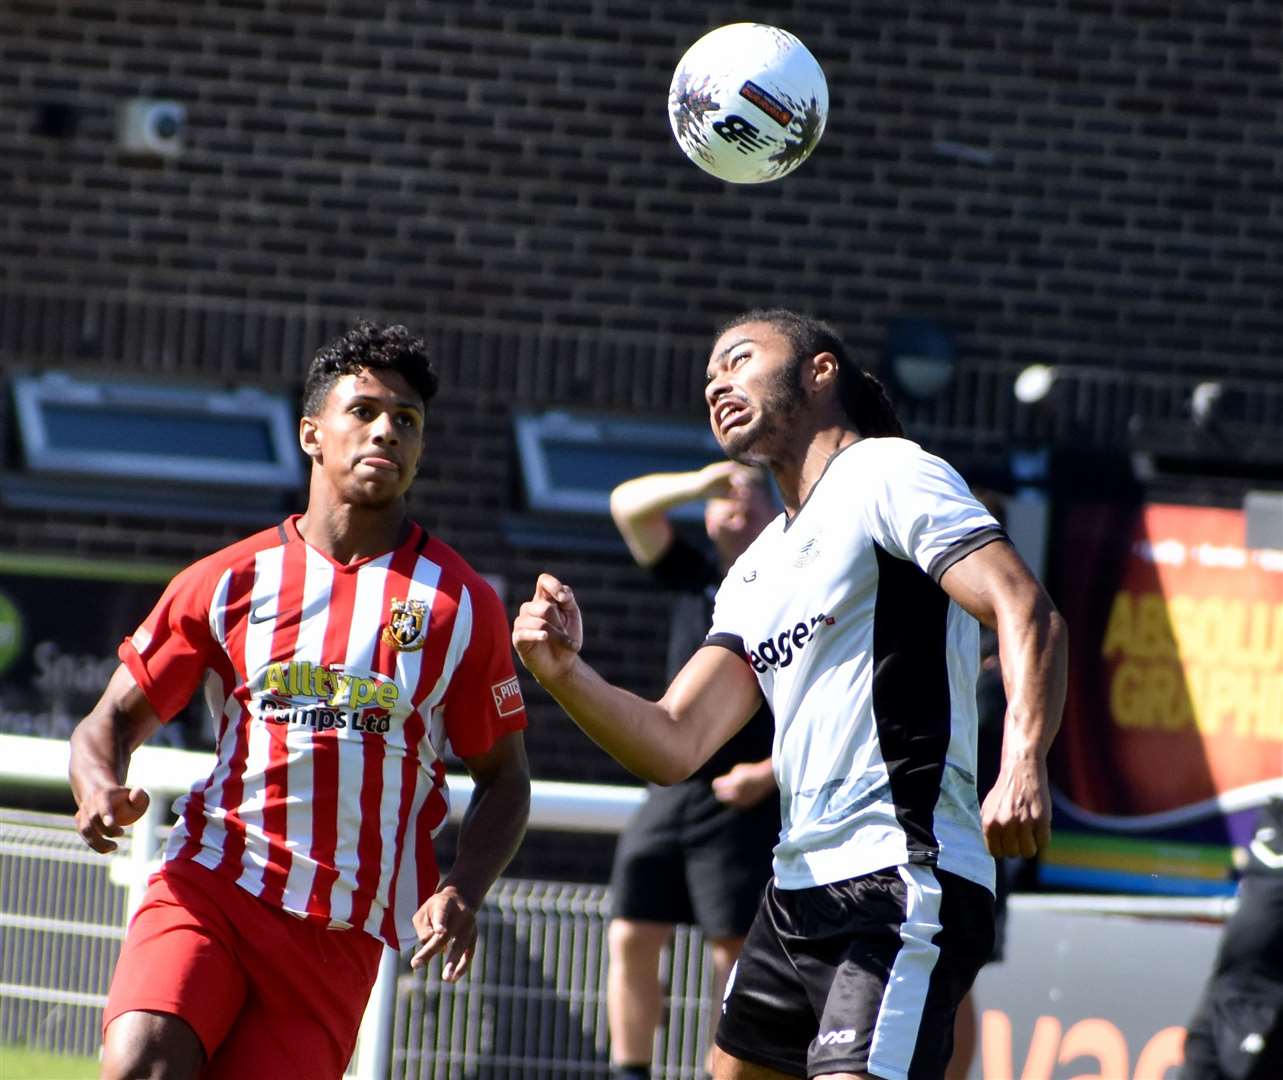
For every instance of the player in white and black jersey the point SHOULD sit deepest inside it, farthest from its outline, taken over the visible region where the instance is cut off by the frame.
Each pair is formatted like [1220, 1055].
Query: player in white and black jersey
[855, 615]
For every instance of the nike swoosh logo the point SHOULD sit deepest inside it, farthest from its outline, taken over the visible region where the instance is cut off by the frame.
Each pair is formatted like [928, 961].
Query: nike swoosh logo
[751, 576]
[255, 616]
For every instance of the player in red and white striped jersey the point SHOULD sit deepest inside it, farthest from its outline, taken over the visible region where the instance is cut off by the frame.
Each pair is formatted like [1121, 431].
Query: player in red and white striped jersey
[339, 652]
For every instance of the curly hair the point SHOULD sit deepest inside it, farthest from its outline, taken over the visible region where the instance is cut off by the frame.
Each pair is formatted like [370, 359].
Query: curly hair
[863, 397]
[369, 346]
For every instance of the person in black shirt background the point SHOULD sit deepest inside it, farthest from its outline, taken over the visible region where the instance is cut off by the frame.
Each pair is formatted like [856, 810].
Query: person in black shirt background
[1237, 1030]
[697, 852]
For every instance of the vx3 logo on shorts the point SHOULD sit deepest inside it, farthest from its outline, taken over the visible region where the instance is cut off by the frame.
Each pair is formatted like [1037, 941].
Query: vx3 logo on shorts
[836, 1038]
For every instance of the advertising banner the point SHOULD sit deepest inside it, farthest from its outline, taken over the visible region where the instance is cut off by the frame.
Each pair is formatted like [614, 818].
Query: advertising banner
[1173, 728]
[61, 621]
[1084, 994]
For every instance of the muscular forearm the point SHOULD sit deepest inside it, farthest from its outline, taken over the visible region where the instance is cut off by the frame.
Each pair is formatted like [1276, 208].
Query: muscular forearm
[103, 742]
[641, 735]
[492, 830]
[98, 754]
[656, 493]
[1033, 651]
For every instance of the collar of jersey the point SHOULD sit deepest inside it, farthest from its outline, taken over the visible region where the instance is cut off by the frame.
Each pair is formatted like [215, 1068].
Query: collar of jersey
[788, 521]
[416, 537]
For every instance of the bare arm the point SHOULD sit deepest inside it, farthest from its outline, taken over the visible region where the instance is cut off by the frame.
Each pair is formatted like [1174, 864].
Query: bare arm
[995, 586]
[711, 698]
[101, 747]
[640, 506]
[746, 784]
[492, 830]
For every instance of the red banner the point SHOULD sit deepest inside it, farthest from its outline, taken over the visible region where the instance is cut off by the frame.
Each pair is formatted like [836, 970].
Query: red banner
[1176, 670]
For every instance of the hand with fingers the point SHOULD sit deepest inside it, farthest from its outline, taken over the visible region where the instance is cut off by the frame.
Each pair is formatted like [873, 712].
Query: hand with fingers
[1016, 815]
[745, 785]
[446, 924]
[717, 481]
[548, 631]
[106, 811]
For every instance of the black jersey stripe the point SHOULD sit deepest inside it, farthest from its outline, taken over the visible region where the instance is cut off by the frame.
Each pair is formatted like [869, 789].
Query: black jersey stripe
[728, 641]
[964, 547]
[911, 706]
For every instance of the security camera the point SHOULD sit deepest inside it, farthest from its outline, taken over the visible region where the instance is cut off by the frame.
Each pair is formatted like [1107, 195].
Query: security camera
[149, 126]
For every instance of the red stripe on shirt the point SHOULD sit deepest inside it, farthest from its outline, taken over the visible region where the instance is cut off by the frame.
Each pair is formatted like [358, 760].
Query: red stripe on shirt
[236, 604]
[432, 814]
[289, 608]
[414, 732]
[369, 870]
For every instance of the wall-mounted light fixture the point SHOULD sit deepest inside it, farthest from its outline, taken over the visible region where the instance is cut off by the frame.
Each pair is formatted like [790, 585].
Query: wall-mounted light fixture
[1035, 383]
[919, 357]
[151, 126]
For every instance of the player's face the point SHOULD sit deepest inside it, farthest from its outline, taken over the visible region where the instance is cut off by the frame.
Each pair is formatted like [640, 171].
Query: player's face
[368, 437]
[753, 393]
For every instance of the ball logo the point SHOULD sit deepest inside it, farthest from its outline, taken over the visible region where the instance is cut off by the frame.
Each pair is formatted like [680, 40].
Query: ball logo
[745, 137]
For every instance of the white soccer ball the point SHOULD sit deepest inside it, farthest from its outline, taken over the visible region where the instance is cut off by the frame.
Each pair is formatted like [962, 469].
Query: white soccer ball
[748, 103]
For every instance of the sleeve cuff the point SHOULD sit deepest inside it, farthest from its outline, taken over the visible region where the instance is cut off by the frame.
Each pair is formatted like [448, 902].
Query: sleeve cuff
[964, 547]
[733, 642]
[128, 655]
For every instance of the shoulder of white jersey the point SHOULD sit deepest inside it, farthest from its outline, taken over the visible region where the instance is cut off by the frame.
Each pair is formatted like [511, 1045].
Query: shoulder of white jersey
[889, 448]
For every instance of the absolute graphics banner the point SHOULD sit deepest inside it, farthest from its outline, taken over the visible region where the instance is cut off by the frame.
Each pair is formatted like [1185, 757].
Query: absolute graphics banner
[1173, 730]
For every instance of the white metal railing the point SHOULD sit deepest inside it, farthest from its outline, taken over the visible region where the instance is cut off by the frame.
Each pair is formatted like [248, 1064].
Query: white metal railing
[42, 763]
[537, 988]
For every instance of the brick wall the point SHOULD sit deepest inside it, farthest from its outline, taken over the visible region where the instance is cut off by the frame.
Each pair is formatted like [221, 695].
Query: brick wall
[1091, 183]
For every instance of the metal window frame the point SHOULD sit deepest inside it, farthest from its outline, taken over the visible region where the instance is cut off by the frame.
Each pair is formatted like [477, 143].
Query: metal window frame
[33, 392]
[593, 431]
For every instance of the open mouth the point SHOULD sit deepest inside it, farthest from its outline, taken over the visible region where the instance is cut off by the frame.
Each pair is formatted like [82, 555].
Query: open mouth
[730, 414]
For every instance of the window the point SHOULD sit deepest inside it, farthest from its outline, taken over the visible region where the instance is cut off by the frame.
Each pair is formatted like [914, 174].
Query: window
[571, 461]
[87, 428]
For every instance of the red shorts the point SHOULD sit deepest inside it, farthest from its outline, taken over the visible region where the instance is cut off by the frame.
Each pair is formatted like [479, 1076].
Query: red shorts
[267, 993]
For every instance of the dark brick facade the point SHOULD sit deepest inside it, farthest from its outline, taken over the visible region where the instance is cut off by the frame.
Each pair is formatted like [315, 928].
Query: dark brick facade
[1090, 183]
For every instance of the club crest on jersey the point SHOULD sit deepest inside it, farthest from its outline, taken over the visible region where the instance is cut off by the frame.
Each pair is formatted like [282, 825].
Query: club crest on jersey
[808, 552]
[406, 626]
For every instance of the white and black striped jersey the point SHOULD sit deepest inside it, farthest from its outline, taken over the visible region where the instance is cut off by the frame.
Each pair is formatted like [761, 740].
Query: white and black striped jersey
[868, 665]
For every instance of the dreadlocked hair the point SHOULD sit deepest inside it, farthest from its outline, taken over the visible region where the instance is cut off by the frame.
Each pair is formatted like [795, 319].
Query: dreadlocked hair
[369, 346]
[864, 399]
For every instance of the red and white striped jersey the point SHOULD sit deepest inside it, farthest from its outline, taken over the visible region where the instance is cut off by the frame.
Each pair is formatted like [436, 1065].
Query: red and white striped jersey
[334, 690]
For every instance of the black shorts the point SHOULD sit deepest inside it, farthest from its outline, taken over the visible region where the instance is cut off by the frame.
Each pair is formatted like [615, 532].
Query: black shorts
[685, 857]
[860, 975]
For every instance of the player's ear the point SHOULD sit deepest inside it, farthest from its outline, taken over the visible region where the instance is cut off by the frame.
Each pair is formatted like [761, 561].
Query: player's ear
[821, 373]
[309, 437]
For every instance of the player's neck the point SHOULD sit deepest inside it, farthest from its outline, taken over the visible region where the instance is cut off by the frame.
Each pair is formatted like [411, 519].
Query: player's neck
[796, 479]
[346, 533]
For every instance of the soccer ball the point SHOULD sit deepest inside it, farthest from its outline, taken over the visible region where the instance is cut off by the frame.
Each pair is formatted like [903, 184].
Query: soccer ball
[748, 103]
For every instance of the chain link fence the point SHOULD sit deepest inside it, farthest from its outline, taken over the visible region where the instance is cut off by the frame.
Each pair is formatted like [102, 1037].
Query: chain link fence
[533, 1005]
